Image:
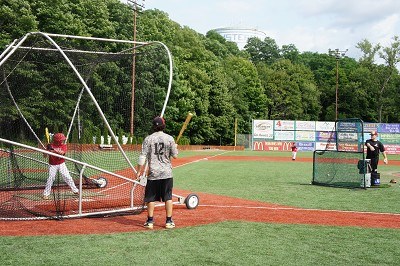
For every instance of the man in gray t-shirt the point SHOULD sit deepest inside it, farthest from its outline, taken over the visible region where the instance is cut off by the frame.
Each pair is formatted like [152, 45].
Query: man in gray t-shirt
[157, 150]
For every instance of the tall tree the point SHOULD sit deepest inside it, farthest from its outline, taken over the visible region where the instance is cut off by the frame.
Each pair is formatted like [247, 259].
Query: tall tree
[291, 91]
[248, 95]
[217, 44]
[323, 68]
[369, 52]
[384, 89]
[222, 111]
[391, 56]
[266, 51]
[16, 19]
[290, 52]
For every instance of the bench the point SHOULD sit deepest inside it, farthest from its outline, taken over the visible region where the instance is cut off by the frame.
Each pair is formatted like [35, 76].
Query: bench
[106, 147]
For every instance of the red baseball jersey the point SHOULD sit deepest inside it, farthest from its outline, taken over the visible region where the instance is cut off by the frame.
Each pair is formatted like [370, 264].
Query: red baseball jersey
[53, 160]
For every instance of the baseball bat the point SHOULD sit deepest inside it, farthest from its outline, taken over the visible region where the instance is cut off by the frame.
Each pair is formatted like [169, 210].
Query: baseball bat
[46, 132]
[188, 117]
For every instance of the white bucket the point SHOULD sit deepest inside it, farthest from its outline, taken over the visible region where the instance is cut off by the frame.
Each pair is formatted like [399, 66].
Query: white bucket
[367, 180]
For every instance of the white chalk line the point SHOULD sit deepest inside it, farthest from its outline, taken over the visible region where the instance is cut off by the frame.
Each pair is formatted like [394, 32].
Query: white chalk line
[115, 187]
[202, 159]
[280, 208]
[128, 183]
[297, 209]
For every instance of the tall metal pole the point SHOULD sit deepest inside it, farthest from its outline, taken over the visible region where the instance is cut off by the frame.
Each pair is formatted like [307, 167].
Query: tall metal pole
[337, 89]
[133, 71]
[338, 55]
[135, 6]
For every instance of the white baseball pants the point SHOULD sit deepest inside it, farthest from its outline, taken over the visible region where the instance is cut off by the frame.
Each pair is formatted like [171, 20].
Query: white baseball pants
[62, 168]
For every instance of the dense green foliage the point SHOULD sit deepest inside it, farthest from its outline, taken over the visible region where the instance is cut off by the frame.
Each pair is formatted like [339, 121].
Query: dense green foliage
[218, 82]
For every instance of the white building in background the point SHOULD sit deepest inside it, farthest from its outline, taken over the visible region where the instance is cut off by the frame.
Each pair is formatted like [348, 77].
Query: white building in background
[240, 35]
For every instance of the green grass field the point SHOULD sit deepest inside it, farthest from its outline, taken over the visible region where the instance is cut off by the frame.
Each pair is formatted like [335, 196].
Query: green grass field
[237, 243]
[286, 183]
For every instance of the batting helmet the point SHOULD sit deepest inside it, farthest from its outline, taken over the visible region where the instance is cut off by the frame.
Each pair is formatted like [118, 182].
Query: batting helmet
[59, 137]
[158, 124]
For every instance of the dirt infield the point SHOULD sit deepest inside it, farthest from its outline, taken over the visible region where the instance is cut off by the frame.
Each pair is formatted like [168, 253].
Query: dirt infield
[212, 209]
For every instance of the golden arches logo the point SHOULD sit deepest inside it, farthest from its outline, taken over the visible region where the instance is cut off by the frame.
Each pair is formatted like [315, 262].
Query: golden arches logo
[258, 146]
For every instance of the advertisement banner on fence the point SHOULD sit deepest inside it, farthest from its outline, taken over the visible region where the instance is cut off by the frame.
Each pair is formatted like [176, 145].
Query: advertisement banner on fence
[347, 136]
[324, 126]
[284, 135]
[305, 135]
[325, 136]
[389, 138]
[271, 146]
[325, 146]
[271, 135]
[348, 147]
[305, 146]
[348, 126]
[284, 125]
[263, 129]
[368, 127]
[392, 149]
[305, 125]
[389, 128]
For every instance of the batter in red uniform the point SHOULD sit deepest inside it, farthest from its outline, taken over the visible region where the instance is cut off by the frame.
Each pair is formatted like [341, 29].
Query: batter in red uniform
[57, 164]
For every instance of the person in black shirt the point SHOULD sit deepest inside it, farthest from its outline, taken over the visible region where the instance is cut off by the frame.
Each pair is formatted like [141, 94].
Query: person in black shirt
[374, 147]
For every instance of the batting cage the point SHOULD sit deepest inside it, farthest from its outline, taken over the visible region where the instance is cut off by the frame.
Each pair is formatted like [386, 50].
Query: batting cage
[102, 95]
[346, 165]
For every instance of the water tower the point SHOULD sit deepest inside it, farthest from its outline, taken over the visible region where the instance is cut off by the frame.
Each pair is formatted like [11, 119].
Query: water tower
[240, 35]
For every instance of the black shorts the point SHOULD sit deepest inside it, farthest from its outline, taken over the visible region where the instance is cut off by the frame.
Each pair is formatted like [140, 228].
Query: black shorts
[374, 164]
[158, 190]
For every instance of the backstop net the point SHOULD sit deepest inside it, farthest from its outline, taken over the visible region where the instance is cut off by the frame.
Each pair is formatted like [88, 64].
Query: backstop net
[102, 94]
[341, 167]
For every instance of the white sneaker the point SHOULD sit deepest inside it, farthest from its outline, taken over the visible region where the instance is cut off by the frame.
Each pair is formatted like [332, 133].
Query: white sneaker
[170, 225]
[148, 225]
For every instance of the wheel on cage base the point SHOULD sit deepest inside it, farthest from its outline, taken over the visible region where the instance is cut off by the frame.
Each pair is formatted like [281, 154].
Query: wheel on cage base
[192, 201]
[101, 182]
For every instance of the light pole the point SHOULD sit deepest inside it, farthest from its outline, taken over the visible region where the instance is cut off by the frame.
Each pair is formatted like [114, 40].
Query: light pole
[338, 55]
[135, 6]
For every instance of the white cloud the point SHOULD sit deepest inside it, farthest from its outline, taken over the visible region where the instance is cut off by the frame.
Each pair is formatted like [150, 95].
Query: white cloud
[311, 25]
[386, 27]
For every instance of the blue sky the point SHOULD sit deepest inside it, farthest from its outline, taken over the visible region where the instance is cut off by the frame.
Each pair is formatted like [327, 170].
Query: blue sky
[311, 25]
